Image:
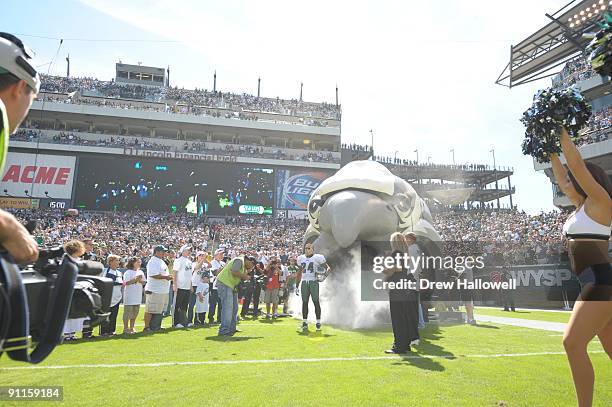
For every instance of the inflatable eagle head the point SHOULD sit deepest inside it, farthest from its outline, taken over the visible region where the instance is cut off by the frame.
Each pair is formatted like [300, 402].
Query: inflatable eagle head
[364, 201]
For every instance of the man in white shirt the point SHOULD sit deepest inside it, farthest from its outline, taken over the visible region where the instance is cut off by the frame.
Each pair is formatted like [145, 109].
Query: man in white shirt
[181, 284]
[216, 265]
[157, 287]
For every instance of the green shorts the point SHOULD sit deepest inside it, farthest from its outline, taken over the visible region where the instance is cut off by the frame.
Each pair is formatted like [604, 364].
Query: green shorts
[309, 289]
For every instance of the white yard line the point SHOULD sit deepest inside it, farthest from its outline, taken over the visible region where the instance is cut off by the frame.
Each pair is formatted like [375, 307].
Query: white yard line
[524, 323]
[526, 309]
[297, 360]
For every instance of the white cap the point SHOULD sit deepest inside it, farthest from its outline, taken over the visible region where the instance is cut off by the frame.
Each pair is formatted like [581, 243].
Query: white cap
[184, 247]
[15, 58]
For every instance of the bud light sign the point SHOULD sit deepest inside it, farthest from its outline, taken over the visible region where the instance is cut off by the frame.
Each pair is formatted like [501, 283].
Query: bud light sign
[293, 188]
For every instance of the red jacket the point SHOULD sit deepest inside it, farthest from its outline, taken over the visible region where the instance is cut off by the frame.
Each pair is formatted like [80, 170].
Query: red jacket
[272, 280]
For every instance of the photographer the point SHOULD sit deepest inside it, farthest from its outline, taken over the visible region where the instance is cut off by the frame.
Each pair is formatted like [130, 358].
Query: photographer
[252, 291]
[216, 265]
[273, 272]
[235, 271]
[19, 85]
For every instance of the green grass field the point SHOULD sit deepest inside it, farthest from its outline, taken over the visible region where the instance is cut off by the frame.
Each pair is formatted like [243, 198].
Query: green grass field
[270, 363]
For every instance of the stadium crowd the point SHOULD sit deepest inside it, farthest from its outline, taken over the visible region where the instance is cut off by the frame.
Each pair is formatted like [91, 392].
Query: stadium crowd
[598, 128]
[400, 162]
[136, 233]
[110, 141]
[574, 71]
[356, 147]
[130, 243]
[192, 101]
[95, 87]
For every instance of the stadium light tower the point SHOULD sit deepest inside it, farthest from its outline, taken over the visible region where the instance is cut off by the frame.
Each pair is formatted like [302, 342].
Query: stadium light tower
[417, 153]
[495, 170]
[336, 95]
[452, 151]
[395, 155]
[560, 41]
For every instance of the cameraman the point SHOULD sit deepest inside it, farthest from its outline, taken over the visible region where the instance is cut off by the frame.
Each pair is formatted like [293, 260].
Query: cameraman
[19, 85]
[252, 292]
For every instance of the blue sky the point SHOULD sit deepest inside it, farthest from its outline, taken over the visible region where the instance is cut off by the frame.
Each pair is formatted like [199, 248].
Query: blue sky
[420, 75]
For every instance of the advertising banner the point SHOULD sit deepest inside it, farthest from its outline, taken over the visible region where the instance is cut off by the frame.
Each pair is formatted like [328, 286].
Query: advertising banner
[294, 187]
[38, 176]
[19, 203]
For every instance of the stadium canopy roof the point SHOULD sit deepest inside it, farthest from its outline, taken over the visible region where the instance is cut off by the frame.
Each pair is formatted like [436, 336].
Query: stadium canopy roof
[558, 42]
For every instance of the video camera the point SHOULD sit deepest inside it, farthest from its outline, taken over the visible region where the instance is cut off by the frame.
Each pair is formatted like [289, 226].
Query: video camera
[36, 301]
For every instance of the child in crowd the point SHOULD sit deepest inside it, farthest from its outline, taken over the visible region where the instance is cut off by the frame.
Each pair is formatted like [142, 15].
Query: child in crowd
[202, 291]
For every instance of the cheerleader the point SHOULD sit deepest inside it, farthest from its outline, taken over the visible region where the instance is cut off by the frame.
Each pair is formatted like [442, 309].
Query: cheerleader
[587, 231]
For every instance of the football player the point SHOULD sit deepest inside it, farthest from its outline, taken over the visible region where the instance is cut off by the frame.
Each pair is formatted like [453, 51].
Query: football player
[312, 269]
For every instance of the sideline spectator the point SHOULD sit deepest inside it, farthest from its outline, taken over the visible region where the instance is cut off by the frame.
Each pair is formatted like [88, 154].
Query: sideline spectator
[216, 265]
[109, 327]
[272, 288]
[182, 273]
[202, 291]
[288, 283]
[156, 289]
[74, 249]
[200, 266]
[133, 279]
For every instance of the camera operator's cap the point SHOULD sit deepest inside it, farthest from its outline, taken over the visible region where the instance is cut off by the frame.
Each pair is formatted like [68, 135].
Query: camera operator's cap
[15, 58]
[200, 253]
[160, 248]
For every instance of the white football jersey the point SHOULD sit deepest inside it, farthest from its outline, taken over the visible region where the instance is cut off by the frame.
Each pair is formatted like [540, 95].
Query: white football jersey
[311, 265]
